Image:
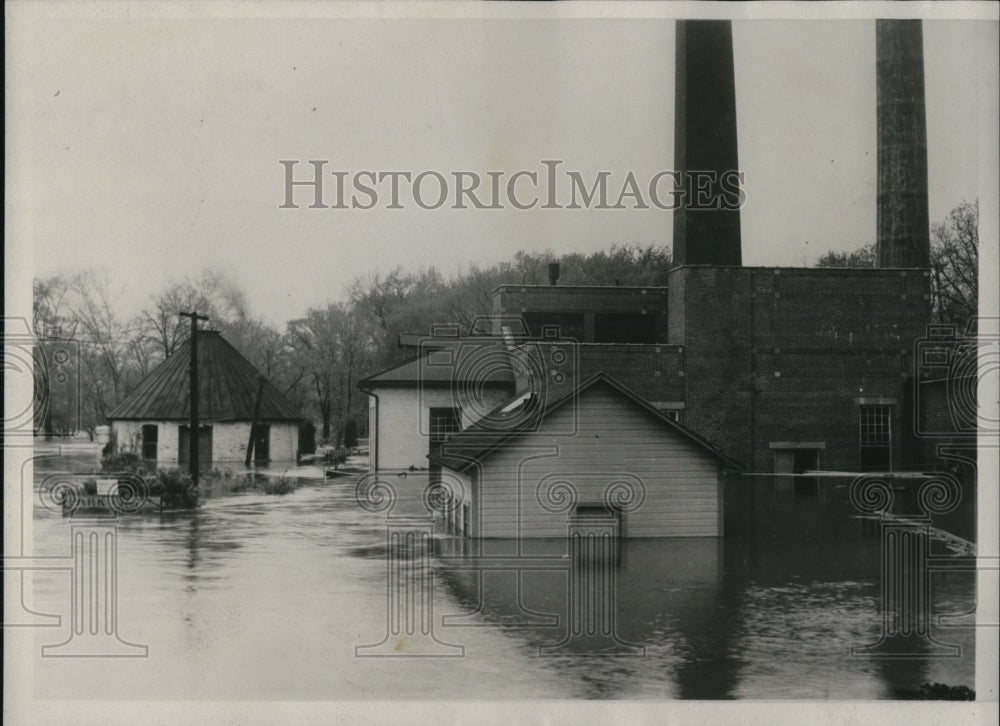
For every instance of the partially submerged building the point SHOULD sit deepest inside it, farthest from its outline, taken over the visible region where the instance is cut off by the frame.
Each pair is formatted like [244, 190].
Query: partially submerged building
[155, 417]
[594, 449]
[781, 370]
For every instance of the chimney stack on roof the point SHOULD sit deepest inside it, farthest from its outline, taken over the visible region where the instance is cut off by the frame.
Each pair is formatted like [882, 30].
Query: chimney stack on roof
[705, 141]
[903, 230]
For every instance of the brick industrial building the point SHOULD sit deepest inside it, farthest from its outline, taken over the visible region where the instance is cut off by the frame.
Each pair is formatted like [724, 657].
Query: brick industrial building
[778, 367]
[783, 370]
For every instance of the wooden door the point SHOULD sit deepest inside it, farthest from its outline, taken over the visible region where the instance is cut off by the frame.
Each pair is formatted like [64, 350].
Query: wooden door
[150, 436]
[262, 443]
[204, 447]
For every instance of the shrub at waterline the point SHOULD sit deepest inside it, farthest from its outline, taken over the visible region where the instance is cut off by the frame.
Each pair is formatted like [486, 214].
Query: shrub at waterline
[175, 489]
[278, 485]
[122, 462]
[222, 482]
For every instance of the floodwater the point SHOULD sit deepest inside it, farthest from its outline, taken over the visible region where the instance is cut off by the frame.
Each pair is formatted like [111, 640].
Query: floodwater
[267, 597]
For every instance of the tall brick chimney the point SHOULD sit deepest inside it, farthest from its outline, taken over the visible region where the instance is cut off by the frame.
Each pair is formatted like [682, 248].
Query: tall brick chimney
[705, 140]
[903, 229]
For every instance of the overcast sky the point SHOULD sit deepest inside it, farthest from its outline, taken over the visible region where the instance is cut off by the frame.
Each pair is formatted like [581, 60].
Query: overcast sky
[155, 144]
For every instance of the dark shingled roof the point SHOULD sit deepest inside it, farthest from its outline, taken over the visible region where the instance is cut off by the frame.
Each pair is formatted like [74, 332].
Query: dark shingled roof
[227, 388]
[485, 363]
[491, 433]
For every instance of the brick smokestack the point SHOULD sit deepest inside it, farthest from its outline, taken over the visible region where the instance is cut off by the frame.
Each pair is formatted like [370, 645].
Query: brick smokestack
[903, 228]
[705, 140]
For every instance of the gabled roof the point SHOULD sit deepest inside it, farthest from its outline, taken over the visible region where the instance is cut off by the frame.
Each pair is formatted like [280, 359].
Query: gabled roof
[227, 388]
[480, 441]
[484, 363]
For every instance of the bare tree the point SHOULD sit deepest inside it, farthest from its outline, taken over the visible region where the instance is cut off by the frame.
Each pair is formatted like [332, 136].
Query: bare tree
[105, 348]
[399, 302]
[212, 294]
[955, 265]
[333, 347]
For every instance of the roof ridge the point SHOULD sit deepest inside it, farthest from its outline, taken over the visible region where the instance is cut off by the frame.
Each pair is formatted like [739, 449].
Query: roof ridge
[228, 384]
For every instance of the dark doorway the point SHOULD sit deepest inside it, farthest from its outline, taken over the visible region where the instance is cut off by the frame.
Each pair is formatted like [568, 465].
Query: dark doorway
[875, 438]
[204, 447]
[444, 423]
[806, 460]
[261, 443]
[150, 437]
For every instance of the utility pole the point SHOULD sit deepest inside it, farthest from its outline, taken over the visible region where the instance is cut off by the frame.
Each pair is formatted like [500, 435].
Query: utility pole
[253, 424]
[193, 434]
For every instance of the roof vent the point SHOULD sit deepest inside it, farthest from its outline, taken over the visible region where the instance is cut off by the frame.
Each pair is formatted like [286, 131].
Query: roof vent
[553, 272]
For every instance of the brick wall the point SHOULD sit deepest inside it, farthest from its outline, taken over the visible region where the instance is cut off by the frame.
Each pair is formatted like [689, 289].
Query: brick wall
[761, 355]
[784, 354]
[554, 298]
[511, 300]
[655, 372]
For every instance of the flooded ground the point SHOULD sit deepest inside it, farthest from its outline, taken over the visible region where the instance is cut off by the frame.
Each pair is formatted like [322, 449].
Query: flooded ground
[267, 597]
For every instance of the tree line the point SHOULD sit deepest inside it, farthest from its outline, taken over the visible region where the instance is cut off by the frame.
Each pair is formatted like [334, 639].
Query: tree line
[954, 265]
[318, 359]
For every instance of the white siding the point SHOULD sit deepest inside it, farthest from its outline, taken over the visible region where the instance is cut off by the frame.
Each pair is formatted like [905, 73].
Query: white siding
[460, 485]
[373, 436]
[615, 440]
[403, 420]
[229, 440]
[284, 441]
[129, 435]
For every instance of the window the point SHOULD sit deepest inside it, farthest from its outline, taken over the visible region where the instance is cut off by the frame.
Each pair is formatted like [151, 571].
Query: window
[445, 422]
[875, 428]
[670, 410]
[150, 435]
[875, 438]
[624, 328]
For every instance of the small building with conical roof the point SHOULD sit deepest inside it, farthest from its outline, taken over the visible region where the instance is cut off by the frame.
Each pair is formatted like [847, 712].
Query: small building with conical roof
[155, 417]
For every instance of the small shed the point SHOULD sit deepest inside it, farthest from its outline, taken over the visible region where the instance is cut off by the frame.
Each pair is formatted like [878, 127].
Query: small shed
[155, 417]
[595, 450]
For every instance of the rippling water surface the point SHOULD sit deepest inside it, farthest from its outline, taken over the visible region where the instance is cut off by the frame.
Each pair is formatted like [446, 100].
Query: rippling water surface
[266, 597]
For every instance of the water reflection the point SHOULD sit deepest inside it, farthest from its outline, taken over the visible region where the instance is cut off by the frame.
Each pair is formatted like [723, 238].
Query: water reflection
[774, 613]
[256, 596]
